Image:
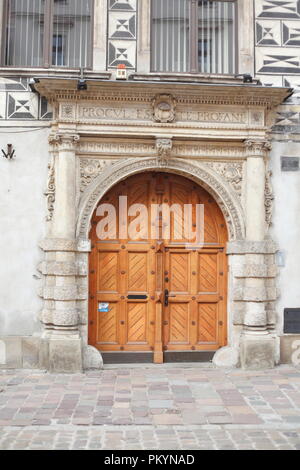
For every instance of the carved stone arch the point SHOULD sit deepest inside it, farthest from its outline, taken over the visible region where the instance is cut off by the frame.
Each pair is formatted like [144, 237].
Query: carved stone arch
[205, 177]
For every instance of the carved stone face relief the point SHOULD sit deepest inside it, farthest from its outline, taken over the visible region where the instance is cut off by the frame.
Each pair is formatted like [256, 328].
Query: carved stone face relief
[164, 107]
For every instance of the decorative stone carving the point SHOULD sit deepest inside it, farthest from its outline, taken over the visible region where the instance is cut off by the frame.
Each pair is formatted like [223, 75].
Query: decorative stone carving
[50, 191]
[230, 206]
[164, 148]
[117, 148]
[164, 107]
[67, 111]
[269, 198]
[209, 150]
[232, 172]
[90, 169]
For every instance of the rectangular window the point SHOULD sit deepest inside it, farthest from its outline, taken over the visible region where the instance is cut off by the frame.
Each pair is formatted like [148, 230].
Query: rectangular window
[45, 33]
[194, 36]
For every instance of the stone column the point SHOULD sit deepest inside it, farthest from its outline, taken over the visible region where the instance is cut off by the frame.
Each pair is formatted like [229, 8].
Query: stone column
[257, 347]
[144, 21]
[62, 342]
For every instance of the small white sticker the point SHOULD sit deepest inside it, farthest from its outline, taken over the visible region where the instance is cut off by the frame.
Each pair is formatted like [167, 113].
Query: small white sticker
[103, 307]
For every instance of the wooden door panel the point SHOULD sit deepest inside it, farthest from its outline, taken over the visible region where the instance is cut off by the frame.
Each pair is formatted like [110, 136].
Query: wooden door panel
[207, 323]
[137, 272]
[108, 264]
[107, 326]
[179, 319]
[137, 322]
[179, 271]
[208, 272]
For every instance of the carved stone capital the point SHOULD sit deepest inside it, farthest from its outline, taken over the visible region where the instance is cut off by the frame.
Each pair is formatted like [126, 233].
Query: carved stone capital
[64, 142]
[257, 147]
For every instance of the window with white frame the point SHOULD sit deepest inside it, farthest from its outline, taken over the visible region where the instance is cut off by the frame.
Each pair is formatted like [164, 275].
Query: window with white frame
[46, 33]
[197, 36]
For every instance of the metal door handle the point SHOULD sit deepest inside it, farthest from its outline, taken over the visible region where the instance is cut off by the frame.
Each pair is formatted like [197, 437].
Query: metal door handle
[167, 295]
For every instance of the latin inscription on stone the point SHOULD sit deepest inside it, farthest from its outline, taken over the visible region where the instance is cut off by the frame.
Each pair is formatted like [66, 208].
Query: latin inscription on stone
[115, 114]
[212, 116]
[146, 114]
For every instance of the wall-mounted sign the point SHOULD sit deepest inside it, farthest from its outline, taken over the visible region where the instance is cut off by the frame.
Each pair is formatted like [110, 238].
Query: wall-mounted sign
[291, 320]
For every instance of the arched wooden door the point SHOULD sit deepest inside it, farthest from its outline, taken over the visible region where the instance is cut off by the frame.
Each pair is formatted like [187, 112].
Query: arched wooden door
[149, 294]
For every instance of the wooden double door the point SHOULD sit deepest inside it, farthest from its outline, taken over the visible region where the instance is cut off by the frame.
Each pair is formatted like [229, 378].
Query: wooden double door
[154, 293]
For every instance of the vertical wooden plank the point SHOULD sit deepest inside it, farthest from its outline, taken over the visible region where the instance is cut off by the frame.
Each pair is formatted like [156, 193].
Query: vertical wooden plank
[193, 302]
[158, 356]
[123, 302]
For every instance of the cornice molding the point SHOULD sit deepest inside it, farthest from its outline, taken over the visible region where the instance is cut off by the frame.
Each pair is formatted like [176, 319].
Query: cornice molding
[185, 93]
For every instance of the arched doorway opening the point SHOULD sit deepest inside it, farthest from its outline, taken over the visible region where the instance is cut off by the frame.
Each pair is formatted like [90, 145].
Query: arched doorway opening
[154, 292]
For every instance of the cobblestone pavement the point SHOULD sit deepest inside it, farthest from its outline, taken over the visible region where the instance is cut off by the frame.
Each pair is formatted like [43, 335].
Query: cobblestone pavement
[151, 407]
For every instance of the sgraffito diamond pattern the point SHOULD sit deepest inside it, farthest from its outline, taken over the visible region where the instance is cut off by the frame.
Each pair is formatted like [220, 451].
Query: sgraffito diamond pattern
[122, 21]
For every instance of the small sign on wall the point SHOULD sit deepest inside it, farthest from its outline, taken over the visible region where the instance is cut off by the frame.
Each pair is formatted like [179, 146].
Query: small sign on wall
[290, 164]
[103, 307]
[291, 320]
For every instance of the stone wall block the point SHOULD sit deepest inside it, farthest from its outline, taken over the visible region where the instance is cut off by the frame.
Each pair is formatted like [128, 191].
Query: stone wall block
[271, 317]
[13, 352]
[58, 244]
[257, 353]
[56, 268]
[82, 269]
[30, 352]
[66, 317]
[82, 293]
[46, 315]
[255, 271]
[238, 312]
[255, 294]
[65, 356]
[251, 247]
[65, 293]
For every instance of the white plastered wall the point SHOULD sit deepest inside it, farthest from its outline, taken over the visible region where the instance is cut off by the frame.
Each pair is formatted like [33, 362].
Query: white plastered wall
[285, 229]
[22, 215]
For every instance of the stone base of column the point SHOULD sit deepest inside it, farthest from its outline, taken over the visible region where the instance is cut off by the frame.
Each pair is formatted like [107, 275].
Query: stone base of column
[61, 354]
[257, 352]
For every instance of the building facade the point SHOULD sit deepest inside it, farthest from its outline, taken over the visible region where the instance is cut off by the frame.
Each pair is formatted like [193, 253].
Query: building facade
[164, 102]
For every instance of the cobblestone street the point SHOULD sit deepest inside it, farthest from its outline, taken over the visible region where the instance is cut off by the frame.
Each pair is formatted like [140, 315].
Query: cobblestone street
[151, 407]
